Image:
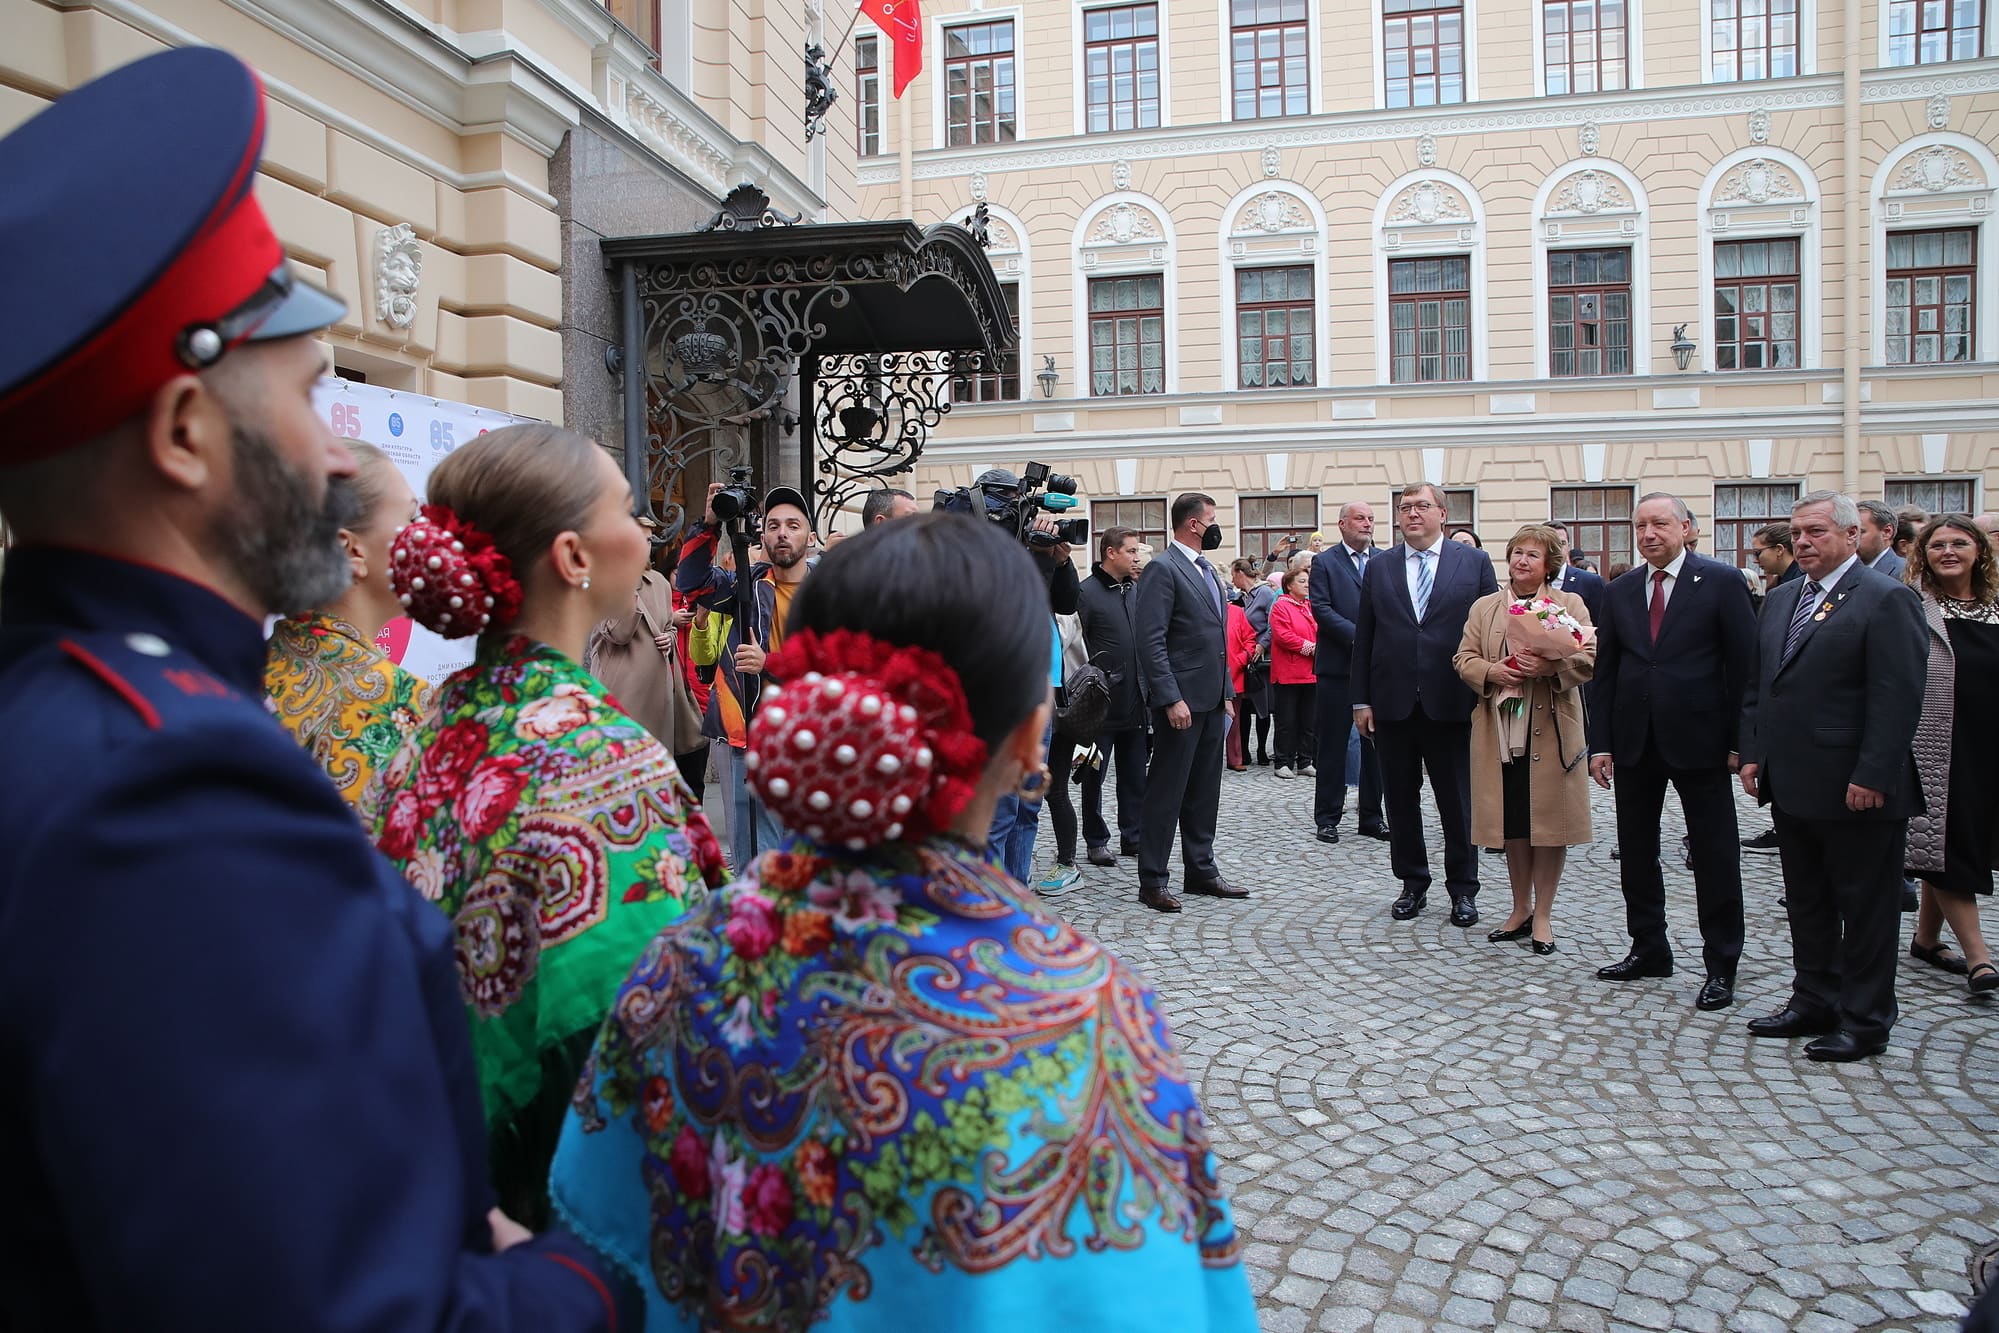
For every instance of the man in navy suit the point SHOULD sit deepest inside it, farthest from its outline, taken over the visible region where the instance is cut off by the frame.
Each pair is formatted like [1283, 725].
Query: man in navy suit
[1674, 650]
[1582, 582]
[1335, 597]
[1878, 527]
[1414, 601]
[1183, 663]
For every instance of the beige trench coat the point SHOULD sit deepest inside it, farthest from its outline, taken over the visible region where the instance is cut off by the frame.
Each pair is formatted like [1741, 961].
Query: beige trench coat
[646, 680]
[1557, 751]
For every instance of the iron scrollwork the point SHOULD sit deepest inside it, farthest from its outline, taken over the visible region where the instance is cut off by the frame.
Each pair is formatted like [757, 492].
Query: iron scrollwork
[820, 94]
[871, 416]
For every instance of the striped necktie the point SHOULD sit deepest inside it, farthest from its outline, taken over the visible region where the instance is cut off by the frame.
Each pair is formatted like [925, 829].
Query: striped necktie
[1808, 601]
[1425, 578]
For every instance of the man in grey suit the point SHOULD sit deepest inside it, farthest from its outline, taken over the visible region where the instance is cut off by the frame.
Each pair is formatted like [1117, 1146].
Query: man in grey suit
[1876, 544]
[1826, 732]
[1183, 661]
[1407, 697]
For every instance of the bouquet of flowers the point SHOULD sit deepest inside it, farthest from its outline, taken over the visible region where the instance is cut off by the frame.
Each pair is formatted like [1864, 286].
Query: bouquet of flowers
[1540, 630]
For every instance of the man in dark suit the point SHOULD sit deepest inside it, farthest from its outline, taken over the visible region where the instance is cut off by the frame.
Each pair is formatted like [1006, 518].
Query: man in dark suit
[1107, 604]
[1826, 731]
[1414, 601]
[1183, 663]
[1584, 583]
[1673, 655]
[1335, 597]
[1876, 546]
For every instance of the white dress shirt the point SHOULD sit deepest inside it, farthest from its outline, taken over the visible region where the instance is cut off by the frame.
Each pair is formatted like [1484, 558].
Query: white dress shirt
[1672, 579]
[1414, 559]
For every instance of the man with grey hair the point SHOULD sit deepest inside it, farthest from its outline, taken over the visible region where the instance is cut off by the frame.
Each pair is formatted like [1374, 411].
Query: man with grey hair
[1990, 522]
[1673, 655]
[1335, 599]
[1876, 543]
[1825, 741]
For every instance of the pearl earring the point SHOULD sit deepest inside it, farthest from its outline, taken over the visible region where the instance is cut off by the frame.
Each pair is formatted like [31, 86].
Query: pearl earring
[586, 583]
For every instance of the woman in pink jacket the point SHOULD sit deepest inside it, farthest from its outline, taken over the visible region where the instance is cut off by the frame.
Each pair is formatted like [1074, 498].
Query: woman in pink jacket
[1293, 639]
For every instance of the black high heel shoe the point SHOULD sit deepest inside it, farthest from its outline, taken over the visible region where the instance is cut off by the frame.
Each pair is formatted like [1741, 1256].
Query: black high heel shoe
[1544, 947]
[1502, 935]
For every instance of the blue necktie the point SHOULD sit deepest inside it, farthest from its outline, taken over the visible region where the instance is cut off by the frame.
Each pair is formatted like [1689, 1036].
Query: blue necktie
[1424, 580]
[1808, 601]
[1215, 586]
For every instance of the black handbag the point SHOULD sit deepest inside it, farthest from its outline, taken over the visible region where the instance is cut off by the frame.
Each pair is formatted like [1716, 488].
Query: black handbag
[1256, 672]
[1083, 702]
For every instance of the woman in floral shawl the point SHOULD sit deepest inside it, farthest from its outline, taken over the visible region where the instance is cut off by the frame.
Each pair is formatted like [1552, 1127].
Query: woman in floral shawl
[325, 679]
[876, 1084]
[553, 829]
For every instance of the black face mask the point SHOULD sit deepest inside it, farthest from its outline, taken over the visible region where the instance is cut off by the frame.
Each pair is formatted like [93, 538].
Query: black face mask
[1211, 540]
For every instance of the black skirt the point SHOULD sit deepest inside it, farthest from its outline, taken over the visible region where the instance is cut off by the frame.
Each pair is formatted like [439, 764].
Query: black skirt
[1516, 801]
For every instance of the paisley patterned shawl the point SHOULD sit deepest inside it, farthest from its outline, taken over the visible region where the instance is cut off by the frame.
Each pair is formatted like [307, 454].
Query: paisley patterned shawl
[890, 1093]
[557, 834]
[347, 704]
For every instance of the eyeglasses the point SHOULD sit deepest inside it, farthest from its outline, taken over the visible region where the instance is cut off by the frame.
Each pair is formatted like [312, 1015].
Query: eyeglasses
[1416, 507]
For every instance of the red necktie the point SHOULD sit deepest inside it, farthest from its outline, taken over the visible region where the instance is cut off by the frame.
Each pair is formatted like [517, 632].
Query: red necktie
[1658, 602]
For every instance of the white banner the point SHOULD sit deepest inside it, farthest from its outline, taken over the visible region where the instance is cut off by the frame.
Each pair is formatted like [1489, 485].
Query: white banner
[417, 433]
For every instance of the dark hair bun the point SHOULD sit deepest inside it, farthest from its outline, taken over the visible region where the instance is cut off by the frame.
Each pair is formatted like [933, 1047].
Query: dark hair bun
[449, 576]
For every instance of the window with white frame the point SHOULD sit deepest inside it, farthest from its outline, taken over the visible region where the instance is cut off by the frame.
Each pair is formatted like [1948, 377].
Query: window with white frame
[1758, 288]
[1127, 335]
[1429, 319]
[1270, 58]
[1741, 510]
[1145, 516]
[1589, 312]
[1423, 50]
[979, 92]
[1932, 495]
[1930, 314]
[1121, 68]
[1584, 46]
[1264, 522]
[1276, 322]
[1753, 39]
[1598, 519]
[1930, 32]
[867, 95]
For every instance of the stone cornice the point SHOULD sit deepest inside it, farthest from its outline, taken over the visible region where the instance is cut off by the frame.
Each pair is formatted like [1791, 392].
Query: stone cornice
[1534, 113]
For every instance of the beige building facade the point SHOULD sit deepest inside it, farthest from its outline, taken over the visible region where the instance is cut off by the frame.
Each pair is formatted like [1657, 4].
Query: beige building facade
[449, 166]
[1298, 252]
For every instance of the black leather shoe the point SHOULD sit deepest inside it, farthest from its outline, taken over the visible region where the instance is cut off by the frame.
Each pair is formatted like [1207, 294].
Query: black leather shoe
[1716, 993]
[1912, 898]
[1101, 856]
[1329, 834]
[1544, 947]
[1218, 888]
[1842, 1047]
[1463, 912]
[1634, 967]
[1766, 841]
[1502, 935]
[1379, 832]
[1409, 904]
[1791, 1023]
[1127, 849]
[1159, 900]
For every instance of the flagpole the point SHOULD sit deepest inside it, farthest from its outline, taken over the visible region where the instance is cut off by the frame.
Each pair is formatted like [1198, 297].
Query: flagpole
[852, 23]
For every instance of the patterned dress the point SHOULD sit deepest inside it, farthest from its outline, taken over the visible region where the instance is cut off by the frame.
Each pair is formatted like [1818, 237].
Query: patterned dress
[558, 836]
[894, 1093]
[348, 705]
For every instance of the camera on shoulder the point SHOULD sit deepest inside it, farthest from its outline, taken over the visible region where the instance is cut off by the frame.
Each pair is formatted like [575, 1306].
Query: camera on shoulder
[1016, 502]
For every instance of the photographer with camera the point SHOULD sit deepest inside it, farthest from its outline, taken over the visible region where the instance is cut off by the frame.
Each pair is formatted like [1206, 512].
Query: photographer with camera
[756, 631]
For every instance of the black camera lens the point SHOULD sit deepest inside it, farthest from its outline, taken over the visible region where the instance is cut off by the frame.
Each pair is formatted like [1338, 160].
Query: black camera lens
[730, 502]
[1060, 484]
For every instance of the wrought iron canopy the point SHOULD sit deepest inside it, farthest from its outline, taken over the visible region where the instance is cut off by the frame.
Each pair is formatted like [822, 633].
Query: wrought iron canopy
[723, 324]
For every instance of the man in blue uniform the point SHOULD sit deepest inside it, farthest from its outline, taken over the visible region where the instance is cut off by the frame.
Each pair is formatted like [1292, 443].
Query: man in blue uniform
[238, 1090]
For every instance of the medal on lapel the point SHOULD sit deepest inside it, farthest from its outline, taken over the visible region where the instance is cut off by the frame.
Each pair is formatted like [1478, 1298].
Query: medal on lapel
[1830, 605]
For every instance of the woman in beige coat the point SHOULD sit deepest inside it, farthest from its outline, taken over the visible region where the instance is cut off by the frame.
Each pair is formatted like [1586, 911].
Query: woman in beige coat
[1530, 788]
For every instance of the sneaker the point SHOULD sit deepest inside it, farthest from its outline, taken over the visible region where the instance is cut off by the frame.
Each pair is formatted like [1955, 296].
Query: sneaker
[1308, 771]
[1766, 841]
[1059, 879]
[1284, 771]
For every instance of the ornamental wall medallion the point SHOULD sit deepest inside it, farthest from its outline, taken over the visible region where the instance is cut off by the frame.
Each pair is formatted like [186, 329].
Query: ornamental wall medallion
[1589, 139]
[1428, 202]
[1426, 151]
[979, 186]
[398, 271]
[1271, 162]
[1273, 211]
[1937, 168]
[1123, 223]
[1591, 192]
[1121, 175]
[1759, 126]
[1937, 113]
[1758, 181]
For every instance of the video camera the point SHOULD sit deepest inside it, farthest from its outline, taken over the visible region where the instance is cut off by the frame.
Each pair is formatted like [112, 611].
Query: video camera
[735, 499]
[1014, 505]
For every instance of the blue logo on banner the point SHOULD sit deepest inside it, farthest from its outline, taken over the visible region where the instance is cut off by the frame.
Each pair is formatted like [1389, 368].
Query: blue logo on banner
[396, 424]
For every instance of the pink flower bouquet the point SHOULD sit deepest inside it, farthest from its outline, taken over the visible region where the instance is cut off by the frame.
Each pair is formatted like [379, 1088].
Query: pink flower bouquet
[1542, 630]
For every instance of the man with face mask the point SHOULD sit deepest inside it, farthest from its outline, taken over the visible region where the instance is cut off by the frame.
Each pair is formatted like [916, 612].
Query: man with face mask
[1183, 659]
[198, 938]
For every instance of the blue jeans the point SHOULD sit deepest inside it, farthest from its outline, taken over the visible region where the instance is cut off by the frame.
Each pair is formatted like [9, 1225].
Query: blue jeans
[751, 827]
[1016, 819]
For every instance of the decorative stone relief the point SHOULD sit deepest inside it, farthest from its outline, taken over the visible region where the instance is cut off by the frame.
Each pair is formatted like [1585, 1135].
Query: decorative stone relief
[1588, 138]
[1121, 175]
[1271, 161]
[1936, 169]
[398, 271]
[1273, 211]
[1758, 181]
[979, 186]
[1759, 126]
[1426, 151]
[1591, 192]
[1123, 224]
[1427, 202]
[999, 236]
[1937, 113]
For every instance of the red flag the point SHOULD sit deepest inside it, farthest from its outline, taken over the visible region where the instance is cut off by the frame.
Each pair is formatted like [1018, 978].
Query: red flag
[903, 22]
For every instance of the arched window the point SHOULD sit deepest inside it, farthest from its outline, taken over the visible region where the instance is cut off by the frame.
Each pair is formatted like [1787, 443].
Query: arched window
[1935, 280]
[1273, 288]
[1429, 281]
[1126, 324]
[1592, 294]
[1759, 263]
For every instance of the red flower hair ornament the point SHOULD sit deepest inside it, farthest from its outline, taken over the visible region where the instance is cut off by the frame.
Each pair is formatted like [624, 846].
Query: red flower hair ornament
[450, 577]
[859, 742]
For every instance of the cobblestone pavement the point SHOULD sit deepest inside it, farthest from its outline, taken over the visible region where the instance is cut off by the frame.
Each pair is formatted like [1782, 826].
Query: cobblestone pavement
[1422, 1130]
